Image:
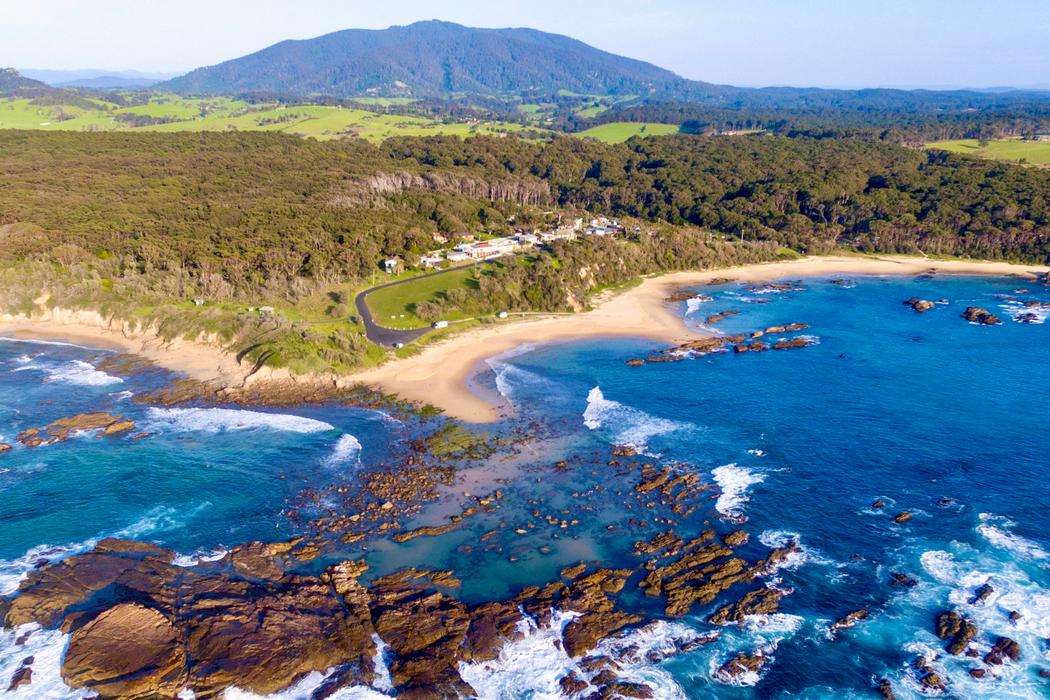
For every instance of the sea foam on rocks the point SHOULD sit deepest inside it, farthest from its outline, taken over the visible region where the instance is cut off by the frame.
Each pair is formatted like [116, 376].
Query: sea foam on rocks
[627, 426]
[734, 482]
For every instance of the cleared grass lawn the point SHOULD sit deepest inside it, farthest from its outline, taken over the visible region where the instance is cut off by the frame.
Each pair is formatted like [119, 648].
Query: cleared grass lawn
[1016, 150]
[394, 307]
[618, 132]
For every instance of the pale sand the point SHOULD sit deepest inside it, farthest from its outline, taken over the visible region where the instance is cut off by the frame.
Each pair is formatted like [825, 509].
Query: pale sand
[440, 374]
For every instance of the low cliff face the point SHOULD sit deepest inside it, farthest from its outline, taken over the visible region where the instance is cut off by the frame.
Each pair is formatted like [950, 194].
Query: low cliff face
[520, 191]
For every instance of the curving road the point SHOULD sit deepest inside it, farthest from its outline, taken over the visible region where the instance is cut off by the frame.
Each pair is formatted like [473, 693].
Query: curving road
[389, 337]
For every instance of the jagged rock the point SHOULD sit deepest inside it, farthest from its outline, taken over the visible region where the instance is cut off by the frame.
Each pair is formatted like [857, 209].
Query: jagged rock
[757, 346]
[263, 636]
[737, 538]
[491, 626]
[878, 503]
[48, 594]
[741, 664]
[636, 362]
[763, 601]
[721, 316]
[572, 684]
[4, 447]
[22, 676]
[981, 594]
[792, 343]
[1004, 648]
[948, 623]
[571, 572]
[885, 689]
[424, 628]
[259, 560]
[978, 672]
[960, 630]
[129, 651]
[975, 314]
[849, 620]
[789, 328]
[902, 517]
[1015, 616]
[899, 579]
[920, 305]
[62, 429]
[932, 681]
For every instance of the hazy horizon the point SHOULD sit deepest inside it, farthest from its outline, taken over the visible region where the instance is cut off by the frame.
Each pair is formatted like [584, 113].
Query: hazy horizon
[924, 44]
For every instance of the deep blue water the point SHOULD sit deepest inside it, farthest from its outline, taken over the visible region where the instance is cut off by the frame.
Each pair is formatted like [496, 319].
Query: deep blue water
[942, 418]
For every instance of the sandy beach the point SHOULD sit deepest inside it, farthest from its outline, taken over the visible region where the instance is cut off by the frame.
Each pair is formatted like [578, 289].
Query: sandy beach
[440, 374]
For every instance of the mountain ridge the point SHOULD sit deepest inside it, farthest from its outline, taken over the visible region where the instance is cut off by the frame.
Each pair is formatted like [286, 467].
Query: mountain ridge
[429, 59]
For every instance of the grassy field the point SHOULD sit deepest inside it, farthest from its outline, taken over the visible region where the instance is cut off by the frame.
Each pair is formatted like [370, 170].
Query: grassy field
[394, 307]
[223, 114]
[1016, 150]
[618, 132]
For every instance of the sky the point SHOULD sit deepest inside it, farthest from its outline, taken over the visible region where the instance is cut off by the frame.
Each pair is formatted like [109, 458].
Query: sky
[825, 43]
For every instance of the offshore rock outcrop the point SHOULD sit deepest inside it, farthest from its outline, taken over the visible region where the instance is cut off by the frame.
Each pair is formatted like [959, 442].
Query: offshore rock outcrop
[64, 428]
[975, 314]
[919, 305]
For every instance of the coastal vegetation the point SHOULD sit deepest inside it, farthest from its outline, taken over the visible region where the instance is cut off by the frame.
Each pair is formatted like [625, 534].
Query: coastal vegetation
[194, 233]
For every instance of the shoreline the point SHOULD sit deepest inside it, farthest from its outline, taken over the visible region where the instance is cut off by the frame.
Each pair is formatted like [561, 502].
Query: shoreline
[441, 373]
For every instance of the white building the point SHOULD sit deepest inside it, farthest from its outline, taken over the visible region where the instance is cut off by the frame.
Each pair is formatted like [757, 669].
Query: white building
[456, 256]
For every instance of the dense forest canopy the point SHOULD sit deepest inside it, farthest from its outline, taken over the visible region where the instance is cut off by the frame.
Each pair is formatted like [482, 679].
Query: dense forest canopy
[254, 208]
[136, 225]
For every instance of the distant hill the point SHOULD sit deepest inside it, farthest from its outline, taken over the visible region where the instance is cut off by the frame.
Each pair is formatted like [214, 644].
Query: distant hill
[110, 81]
[108, 78]
[12, 82]
[432, 59]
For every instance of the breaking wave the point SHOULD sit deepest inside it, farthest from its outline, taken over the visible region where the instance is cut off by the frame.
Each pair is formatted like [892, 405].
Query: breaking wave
[734, 482]
[220, 420]
[995, 529]
[13, 571]
[628, 426]
[346, 449]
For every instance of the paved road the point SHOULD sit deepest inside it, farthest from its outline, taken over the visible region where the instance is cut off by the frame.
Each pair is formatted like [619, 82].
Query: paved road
[388, 337]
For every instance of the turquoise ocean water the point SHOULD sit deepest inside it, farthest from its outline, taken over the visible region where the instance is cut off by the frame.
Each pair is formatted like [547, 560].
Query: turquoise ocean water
[936, 416]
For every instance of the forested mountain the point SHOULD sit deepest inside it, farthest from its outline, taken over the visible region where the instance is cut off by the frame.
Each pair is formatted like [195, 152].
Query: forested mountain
[12, 82]
[429, 59]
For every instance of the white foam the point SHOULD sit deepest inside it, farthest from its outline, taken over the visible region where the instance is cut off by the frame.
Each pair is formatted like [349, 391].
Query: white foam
[995, 529]
[757, 453]
[528, 668]
[693, 304]
[382, 680]
[80, 373]
[218, 420]
[58, 343]
[46, 647]
[122, 395]
[201, 557]
[346, 449]
[13, 571]
[630, 427]
[734, 482]
[1034, 314]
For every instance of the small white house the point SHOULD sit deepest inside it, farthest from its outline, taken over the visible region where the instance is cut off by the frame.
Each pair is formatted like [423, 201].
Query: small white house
[429, 261]
[391, 265]
[502, 314]
[440, 324]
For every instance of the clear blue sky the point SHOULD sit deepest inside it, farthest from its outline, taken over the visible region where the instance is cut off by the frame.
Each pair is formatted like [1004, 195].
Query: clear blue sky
[848, 43]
